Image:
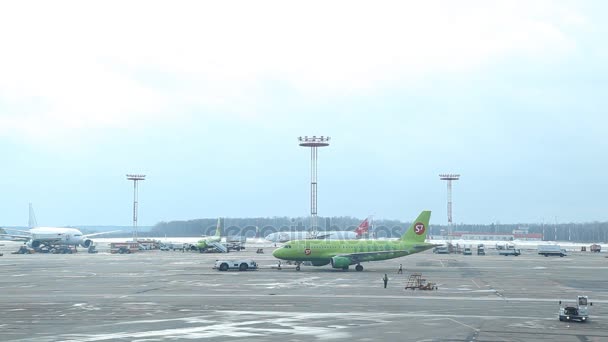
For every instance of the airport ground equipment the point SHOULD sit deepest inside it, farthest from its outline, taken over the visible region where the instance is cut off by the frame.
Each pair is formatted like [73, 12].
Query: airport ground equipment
[507, 252]
[148, 244]
[124, 247]
[504, 245]
[415, 281]
[481, 249]
[92, 249]
[174, 246]
[467, 250]
[551, 250]
[575, 312]
[595, 248]
[24, 250]
[62, 249]
[235, 246]
[123, 250]
[241, 265]
[441, 250]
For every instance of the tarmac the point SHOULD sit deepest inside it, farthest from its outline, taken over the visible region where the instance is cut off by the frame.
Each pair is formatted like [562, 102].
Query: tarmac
[168, 296]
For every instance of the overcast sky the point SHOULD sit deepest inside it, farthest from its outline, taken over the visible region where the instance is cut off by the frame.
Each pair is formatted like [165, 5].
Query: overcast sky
[208, 98]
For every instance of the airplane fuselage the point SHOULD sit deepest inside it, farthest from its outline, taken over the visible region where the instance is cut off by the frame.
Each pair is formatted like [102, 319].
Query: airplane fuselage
[57, 236]
[320, 252]
[206, 241]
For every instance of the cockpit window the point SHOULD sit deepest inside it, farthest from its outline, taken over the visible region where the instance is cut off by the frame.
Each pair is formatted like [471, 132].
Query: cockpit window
[287, 246]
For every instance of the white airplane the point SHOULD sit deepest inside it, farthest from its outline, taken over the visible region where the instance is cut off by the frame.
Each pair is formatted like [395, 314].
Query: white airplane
[37, 237]
[362, 229]
[52, 236]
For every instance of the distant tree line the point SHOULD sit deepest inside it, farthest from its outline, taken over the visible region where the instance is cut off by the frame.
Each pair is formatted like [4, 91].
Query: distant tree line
[262, 226]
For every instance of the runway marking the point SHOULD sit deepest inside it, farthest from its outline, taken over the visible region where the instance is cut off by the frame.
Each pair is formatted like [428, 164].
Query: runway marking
[464, 325]
[243, 324]
[473, 280]
[475, 329]
[304, 296]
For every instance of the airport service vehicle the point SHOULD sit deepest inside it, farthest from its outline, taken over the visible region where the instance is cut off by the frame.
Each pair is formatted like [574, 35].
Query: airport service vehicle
[481, 249]
[343, 253]
[174, 246]
[441, 249]
[467, 250]
[554, 250]
[235, 246]
[507, 252]
[24, 250]
[575, 312]
[124, 247]
[595, 248]
[359, 232]
[241, 265]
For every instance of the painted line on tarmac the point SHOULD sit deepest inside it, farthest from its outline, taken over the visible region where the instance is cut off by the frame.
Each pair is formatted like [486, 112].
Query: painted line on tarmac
[304, 296]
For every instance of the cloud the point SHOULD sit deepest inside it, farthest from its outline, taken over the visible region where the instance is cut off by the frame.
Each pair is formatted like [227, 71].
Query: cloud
[70, 65]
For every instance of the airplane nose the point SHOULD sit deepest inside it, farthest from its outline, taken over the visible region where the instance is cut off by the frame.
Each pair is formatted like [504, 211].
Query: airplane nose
[277, 253]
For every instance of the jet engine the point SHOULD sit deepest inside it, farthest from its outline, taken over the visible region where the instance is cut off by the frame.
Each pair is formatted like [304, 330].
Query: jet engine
[340, 262]
[33, 244]
[86, 243]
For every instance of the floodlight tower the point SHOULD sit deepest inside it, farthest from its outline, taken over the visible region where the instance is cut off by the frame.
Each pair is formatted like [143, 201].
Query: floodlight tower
[449, 178]
[135, 178]
[314, 143]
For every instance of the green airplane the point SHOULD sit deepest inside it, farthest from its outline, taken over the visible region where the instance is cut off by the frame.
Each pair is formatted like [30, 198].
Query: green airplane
[206, 241]
[343, 253]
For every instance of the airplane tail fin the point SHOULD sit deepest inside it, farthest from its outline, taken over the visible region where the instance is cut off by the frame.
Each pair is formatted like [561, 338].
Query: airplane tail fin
[32, 223]
[220, 227]
[363, 228]
[419, 228]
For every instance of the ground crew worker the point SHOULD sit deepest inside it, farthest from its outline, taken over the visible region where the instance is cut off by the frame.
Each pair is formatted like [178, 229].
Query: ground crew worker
[385, 279]
[400, 270]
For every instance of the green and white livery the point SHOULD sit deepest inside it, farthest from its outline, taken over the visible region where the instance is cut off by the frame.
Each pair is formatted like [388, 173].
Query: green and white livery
[343, 253]
[211, 241]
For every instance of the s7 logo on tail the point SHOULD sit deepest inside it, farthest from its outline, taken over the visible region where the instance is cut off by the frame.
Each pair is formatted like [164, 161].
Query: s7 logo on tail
[419, 228]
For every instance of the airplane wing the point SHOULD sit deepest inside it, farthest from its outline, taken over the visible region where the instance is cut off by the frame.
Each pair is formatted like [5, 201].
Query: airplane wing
[320, 237]
[16, 237]
[113, 231]
[17, 230]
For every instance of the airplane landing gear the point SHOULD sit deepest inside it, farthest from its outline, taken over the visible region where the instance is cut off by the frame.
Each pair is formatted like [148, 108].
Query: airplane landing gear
[298, 266]
[359, 268]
